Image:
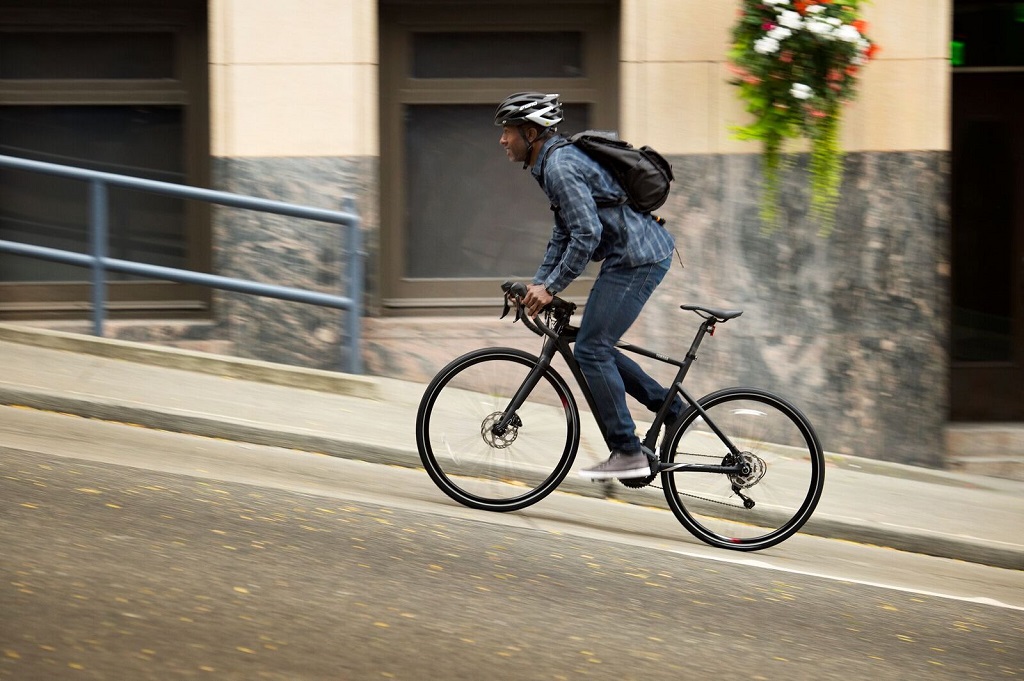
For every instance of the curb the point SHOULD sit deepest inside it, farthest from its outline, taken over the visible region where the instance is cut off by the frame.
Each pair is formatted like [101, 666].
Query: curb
[200, 362]
[915, 541]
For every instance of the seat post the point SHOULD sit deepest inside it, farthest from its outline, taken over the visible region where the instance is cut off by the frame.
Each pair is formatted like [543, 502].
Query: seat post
[707, 326]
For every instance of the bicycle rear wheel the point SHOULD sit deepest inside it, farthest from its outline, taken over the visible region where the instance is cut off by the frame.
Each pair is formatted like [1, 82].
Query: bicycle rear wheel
[759, 508]
[468, 459]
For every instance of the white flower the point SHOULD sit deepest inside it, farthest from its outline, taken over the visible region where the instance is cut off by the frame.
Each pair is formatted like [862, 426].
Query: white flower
[860, 57]
[776, 2]
[779, 33]
[835, 21]
[801, 91]
[819, 28]
[790, 19]
[814, 9]
[848, 33]
[766, 45]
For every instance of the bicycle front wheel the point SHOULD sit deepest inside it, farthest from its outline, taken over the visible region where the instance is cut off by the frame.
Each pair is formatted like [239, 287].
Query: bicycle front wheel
[775, 494]
[480, 465]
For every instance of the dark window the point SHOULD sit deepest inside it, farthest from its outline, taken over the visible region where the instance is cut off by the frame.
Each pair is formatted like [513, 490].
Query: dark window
[62, 55]
[988, 33]
[457, 217]
[50, 211]
[983, 253]
[499, 224]
[508, 54]
[115, 87]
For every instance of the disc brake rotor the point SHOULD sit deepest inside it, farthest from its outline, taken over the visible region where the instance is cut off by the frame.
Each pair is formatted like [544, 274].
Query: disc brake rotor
[499, 440]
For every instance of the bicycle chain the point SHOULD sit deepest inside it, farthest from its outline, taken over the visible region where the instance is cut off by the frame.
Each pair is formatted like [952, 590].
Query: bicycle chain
[687, 494]
[700, 498]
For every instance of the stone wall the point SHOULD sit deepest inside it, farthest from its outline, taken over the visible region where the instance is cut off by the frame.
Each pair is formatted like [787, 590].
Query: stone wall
[853, 326]
[287, 251]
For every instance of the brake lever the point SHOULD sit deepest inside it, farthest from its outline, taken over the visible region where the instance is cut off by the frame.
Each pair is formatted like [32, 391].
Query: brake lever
[506, 306]
[512, 291]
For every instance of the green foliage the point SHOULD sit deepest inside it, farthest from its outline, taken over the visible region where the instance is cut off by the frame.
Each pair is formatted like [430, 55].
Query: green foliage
[796, 64]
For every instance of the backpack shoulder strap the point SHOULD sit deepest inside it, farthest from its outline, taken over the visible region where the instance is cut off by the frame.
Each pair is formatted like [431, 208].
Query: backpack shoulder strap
[574, 140]
[559, 143]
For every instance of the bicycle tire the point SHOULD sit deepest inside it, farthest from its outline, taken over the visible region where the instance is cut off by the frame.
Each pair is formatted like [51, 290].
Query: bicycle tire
[785, 483]
[460, 451]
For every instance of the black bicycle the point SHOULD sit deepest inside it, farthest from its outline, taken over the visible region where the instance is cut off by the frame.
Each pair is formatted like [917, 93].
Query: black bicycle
[498, 429]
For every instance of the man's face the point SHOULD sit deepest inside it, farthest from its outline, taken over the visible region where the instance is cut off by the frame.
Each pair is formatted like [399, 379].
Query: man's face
[512, 141]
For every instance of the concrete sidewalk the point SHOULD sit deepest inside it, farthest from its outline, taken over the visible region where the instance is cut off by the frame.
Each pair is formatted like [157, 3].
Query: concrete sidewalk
[967, 517]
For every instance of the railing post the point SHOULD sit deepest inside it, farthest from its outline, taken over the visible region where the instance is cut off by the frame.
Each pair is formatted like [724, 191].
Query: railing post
[98, 249]
[355, 290]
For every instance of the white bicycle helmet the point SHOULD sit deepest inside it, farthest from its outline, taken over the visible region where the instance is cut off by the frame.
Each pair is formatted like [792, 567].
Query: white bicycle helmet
[529, 107]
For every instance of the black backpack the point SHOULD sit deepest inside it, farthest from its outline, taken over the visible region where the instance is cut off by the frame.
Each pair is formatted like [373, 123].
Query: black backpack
[643, 173]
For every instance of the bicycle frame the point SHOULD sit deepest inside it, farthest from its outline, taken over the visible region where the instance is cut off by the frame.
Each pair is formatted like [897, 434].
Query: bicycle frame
[560, 343]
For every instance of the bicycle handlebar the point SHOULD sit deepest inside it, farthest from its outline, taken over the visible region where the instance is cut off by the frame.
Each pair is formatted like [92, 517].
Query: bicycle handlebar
[559, 308]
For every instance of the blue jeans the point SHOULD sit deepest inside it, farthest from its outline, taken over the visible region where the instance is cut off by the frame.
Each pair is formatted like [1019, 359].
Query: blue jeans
[615, 302]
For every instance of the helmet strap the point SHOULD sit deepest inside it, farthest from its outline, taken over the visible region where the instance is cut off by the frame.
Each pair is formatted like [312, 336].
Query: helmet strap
[529, 146]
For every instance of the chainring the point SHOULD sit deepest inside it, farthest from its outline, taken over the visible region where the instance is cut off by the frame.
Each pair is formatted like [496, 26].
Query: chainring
[637, 483]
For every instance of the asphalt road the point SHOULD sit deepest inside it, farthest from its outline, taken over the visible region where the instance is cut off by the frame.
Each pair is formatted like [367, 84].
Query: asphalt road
[208, 559]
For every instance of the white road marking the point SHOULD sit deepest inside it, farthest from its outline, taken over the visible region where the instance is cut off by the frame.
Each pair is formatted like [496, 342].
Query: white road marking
[765, 565]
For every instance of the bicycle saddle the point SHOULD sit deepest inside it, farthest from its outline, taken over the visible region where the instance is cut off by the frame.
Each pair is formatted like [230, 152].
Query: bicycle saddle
[710, 312]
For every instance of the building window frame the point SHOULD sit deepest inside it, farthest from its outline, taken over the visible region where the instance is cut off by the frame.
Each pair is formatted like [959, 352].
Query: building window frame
[186, 21]
[597, 87]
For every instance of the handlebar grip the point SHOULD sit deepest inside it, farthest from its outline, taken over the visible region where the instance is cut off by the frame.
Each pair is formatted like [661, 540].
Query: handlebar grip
[515, 288]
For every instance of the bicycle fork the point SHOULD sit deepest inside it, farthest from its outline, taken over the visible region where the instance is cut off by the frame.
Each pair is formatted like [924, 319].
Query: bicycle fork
[509, 417]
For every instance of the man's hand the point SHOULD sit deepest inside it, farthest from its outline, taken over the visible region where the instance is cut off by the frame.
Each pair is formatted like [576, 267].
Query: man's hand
[536, 298]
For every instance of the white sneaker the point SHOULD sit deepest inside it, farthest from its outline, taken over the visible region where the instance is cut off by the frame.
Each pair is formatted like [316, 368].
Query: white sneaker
[619, 465]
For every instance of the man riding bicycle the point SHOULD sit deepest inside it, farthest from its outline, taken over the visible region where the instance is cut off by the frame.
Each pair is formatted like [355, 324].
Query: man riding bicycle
[635, 251]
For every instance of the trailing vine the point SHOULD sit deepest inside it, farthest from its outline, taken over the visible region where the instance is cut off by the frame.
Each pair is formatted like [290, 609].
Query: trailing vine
[796, 64]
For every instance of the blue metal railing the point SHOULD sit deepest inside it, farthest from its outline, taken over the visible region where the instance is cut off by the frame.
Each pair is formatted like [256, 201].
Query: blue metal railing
[98, 261]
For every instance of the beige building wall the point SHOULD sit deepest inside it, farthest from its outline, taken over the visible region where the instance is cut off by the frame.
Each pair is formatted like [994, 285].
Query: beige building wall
[300, 78]
[676, 94]
[295, 78]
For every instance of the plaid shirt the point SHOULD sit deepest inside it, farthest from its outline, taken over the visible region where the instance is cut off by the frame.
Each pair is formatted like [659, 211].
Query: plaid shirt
[619, 235]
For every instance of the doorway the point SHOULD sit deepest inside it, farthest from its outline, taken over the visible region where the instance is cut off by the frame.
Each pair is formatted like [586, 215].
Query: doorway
[987, 249]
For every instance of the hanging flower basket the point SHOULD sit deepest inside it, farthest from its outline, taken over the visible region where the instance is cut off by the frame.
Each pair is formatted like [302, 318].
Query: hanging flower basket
[796, 64]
